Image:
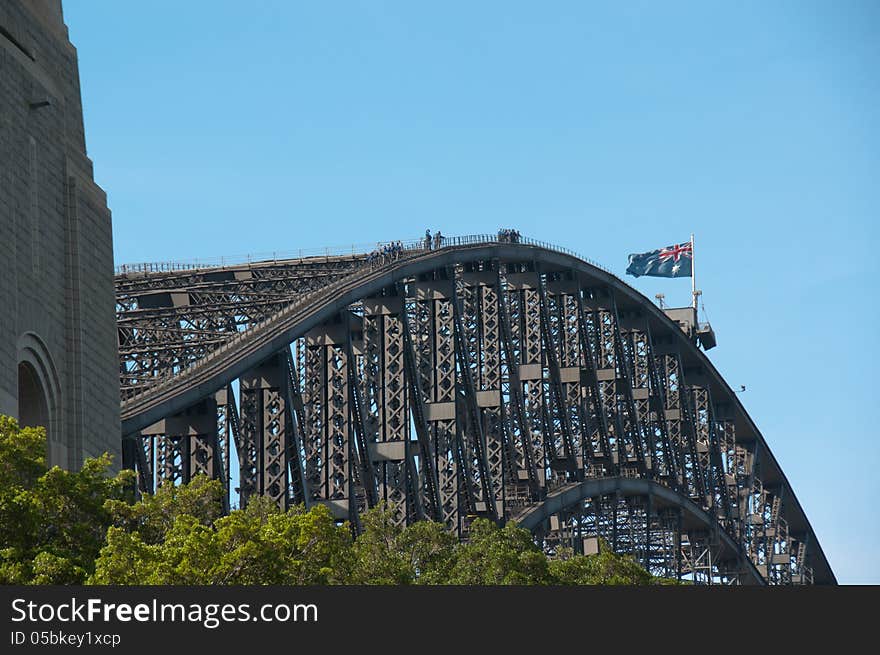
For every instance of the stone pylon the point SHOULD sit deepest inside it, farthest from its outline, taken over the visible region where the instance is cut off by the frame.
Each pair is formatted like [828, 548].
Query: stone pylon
[58, 363]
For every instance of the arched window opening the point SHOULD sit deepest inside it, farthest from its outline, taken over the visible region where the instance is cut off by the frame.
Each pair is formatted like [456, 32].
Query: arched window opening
[33, 407]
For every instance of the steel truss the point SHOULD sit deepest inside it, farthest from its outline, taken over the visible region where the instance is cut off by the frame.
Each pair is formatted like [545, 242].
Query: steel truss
[493, 387]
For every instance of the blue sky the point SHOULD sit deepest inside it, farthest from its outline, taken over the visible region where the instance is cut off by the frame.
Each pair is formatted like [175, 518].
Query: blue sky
[222, 128]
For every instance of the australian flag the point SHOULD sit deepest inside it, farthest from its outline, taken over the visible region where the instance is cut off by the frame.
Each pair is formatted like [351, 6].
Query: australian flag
[671, 261]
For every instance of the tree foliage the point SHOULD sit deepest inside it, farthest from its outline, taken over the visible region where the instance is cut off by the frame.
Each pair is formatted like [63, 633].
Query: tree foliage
[385, 553]
[179, 536]
[499, 556]
[604, 568]
[62, 527]
[52, 522]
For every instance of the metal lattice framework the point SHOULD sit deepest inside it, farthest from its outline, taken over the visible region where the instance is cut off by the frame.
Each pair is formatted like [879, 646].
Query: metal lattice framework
[483, 378]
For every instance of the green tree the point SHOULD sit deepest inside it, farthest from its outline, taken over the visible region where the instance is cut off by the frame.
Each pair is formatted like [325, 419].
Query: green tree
[377, 559]
[499, 556]
[52, 522]
[178, 536]
[153, 516]
[603, 568]
[263, 545]
[63, 527]
[431, 550]
[384, 553]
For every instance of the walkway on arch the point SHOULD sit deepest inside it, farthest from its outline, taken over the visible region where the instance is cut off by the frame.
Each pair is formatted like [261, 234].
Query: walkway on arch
[248, 349]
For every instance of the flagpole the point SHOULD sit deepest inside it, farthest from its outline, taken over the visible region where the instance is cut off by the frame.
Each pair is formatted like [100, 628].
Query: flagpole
[693, 273]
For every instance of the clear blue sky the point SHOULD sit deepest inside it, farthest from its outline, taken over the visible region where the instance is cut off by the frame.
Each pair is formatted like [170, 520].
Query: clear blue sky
[222, 128]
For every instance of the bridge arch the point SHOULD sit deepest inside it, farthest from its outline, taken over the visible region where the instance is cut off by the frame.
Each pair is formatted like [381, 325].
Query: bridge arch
[484, 378]
[660, 504]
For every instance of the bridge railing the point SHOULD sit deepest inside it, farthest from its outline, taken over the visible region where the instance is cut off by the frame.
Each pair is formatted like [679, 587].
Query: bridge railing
[352, 250]
[160, 267]
[478, 239]
[357, 250]
[410, 250]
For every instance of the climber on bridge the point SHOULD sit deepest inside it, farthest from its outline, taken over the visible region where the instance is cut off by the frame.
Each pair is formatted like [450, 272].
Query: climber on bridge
[508, 236]
[438, 240]
[427, 239]
[374, 256]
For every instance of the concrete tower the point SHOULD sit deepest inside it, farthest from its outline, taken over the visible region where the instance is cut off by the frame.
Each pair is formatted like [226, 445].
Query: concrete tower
[58, 364]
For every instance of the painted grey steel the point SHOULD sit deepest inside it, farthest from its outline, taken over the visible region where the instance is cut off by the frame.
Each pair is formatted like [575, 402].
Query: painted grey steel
[483, 378]
[572, 495]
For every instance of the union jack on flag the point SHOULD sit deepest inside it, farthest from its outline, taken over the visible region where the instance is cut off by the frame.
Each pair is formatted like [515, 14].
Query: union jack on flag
[671, 261]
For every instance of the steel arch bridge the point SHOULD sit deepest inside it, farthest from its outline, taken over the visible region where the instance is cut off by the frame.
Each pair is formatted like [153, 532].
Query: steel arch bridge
[482, 378]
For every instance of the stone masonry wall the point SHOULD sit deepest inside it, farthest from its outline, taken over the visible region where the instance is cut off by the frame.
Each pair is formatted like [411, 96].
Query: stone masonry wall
[57, 309]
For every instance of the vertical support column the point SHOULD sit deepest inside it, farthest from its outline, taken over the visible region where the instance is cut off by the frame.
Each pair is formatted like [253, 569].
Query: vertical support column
[743, 470]
[635, 344]
[249, 429]
[423, 488]
[668, 543]
[364, 431]
[481, 329]
[186, 444]
[394, 426]
[563, 297]
[615, 392]
[274, 472]
[264, 418]
[757, 515]
[296, 419]
[702, 426]
[666, 461]
[677, 427]
[138, 455]
[172, 461]
[561, 450]
[725, 430]
[689, 430]
[328, 447]
[469, 427]
[778, 542]
[222, 436]
[202, 458]
[434, 347]
[523, 302]
[631, 428]
[337, 423]
[521, 459]
[489, 388]
[597, 443]
[385, 349]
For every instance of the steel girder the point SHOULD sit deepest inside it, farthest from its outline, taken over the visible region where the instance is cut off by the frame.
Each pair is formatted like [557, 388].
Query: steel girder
[467, 383]
[168, 320]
